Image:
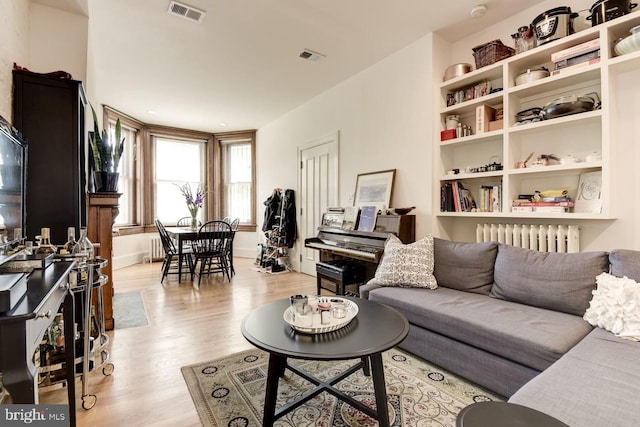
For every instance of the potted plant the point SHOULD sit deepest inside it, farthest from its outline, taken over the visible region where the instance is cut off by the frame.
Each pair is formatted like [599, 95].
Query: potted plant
[106, 155]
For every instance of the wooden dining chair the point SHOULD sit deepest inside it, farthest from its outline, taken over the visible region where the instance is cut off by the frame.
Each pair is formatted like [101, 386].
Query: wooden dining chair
[211, 249]
[171, 257]
[234, 227]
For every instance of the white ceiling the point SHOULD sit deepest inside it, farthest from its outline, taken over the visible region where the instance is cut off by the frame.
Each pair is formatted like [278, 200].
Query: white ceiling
[240, 65]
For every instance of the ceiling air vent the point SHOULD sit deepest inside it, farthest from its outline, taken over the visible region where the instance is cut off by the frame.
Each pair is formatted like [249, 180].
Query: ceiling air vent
[310, 55]
[186, 12]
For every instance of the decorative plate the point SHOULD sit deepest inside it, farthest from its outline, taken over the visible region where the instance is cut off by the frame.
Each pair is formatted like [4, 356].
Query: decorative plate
[316, 326]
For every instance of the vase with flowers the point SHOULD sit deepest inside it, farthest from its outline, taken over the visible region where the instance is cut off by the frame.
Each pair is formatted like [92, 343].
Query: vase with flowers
[194, 201]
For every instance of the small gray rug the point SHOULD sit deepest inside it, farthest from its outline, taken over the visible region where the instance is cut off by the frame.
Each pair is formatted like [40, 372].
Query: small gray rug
[128, 310]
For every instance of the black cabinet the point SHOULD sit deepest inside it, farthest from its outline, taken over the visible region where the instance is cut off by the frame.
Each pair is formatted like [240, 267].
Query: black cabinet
[50, 114]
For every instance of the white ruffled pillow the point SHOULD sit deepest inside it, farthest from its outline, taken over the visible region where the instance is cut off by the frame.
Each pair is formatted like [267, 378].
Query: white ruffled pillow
[615, 306]
[407, 266]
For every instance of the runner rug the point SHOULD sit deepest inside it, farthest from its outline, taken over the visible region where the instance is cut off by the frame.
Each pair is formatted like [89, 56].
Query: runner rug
[128, 310]
[229, 392]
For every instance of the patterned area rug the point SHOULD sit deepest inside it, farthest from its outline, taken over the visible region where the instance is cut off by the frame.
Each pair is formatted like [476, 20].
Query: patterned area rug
[230, 392]
[128, 310]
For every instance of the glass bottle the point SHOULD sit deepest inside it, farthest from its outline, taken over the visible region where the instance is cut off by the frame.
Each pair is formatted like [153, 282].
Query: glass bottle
[59, 330]
[94, 328]
[71, 240]
[84, 247]
[45, 247]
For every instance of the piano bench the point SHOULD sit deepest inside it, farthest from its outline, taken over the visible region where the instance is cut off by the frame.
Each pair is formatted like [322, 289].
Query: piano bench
[341, 273]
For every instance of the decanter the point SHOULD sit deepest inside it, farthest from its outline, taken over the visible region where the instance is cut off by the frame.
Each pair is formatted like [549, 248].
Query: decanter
[45, 247]
[84, 247]
[71, 240]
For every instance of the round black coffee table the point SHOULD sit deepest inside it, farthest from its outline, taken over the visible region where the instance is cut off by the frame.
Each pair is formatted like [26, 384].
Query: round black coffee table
[503, 414]
[375, 329]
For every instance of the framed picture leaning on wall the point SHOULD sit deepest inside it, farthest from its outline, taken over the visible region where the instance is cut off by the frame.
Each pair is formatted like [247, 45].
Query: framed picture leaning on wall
[374, 189]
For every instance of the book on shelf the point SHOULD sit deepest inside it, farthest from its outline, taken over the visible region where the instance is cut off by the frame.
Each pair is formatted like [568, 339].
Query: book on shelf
[496, 198]
[589, 197]
[484, 115]
[565, 204]
[454, 197]
[576, 50]
[540, 209]
[467, 202]
[448, 203]
[580, 59]
[573, 67]
[490, 198]
[556, 199]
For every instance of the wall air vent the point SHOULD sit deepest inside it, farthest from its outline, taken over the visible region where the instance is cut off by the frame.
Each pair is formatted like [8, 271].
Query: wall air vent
[310, 55]
[186, 12]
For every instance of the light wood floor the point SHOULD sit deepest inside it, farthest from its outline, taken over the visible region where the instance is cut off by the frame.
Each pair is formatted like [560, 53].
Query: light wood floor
[186, 326]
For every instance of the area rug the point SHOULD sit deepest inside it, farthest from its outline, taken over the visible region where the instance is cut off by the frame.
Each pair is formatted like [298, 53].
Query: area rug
[128, 310]
[229, 392]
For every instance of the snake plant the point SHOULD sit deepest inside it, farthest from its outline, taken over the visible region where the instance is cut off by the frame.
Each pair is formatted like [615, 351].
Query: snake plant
[106, 154]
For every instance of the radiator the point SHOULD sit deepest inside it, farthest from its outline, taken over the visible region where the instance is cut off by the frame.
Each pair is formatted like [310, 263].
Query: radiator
[156, 251]
[543, 238]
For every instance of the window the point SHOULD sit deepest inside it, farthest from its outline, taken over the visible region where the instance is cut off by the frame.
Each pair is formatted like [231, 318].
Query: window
[237, 175]
[177, 162]
[157, 158]
[129, 179]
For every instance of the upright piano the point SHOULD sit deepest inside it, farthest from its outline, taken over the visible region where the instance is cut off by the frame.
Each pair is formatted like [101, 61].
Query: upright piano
[349, 258]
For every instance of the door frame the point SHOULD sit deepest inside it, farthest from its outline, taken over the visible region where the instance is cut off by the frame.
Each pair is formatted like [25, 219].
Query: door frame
[332, 139]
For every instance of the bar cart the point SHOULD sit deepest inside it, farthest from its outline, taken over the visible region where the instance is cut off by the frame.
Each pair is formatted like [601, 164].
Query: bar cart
[85, 279]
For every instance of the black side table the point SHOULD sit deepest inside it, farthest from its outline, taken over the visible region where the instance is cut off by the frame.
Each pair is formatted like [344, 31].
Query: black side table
[375, 329]
[503, 414]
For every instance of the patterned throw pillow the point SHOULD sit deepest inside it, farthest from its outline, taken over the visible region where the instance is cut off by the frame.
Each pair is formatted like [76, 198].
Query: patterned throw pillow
[408, 266]
[616, 306]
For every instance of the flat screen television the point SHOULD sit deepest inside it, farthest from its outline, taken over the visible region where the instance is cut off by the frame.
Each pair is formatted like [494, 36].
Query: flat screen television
[12, 187]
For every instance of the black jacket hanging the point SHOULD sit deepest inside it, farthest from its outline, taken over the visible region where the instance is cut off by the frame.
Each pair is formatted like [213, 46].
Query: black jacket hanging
[272, 210]
[289, 220]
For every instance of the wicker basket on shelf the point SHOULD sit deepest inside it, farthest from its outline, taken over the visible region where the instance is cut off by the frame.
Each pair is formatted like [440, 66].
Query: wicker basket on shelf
[491, 52]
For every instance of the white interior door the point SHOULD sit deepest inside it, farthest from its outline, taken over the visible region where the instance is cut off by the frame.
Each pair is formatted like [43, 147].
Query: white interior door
[318, 190]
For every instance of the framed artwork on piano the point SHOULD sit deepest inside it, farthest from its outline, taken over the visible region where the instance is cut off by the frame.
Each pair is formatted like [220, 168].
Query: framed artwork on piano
[374, 189]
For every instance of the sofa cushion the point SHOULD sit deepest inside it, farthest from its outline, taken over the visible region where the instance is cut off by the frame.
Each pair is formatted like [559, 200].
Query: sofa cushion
[597, 383]
[408, 265]
[464, 266]
[524, 334]
[616, 306]
[625, 262]
[557, 281]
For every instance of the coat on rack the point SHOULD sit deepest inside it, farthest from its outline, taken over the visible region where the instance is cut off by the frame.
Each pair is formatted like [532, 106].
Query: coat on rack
[280, 211]
[272, 210]
[289, 220]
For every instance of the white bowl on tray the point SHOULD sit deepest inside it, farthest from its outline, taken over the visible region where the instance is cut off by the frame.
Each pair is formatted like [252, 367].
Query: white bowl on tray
[316, 326]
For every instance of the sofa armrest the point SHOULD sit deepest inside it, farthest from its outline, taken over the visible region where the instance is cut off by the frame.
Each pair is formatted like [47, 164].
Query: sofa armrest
[366, 288]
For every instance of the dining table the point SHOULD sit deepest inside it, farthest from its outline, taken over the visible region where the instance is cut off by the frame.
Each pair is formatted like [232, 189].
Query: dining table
[183, 235]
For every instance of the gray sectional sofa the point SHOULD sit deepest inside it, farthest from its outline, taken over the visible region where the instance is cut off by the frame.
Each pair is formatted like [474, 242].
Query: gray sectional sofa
[510, 319]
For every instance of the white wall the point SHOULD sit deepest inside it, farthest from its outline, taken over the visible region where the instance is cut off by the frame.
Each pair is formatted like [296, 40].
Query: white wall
[384, 117]
[58, 42]
[14, 47]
